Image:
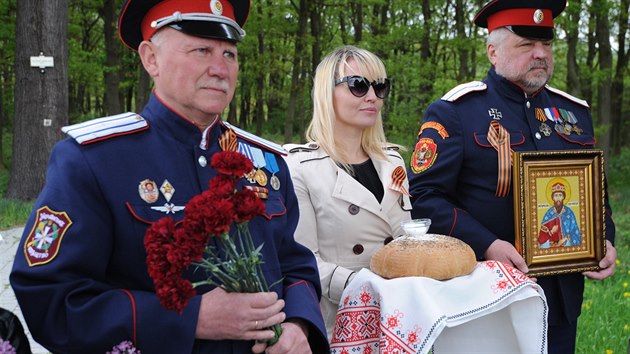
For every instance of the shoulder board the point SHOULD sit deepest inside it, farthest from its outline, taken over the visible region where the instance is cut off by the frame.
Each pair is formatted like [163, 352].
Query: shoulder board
[256, 140]
[292, 148]
[464, 89]
[568, 96]
[107, 127]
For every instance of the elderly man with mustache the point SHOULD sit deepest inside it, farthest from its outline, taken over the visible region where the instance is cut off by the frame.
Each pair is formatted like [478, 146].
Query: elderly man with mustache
[80, 274]
[460, 171]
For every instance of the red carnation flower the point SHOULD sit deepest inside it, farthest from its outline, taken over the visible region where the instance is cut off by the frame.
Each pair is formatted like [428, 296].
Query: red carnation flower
[247, 205]
[231, 163]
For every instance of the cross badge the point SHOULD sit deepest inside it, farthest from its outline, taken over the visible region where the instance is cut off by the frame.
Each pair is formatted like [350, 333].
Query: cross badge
[494, 113]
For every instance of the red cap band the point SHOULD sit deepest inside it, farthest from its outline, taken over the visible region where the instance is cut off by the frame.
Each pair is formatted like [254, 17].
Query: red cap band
[169, 7]
[520, 17]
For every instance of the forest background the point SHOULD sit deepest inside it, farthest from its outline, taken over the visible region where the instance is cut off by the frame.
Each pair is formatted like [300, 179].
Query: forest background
[428, 46]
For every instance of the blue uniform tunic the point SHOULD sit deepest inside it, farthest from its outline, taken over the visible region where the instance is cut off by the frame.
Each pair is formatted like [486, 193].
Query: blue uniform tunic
[92, 290]
[455, 181]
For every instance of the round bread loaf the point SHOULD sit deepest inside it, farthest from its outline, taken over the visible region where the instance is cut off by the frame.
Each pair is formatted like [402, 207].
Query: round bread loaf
[435, 256]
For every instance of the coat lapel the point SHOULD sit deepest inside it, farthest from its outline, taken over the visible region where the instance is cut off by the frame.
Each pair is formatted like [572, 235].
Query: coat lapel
[349, 189]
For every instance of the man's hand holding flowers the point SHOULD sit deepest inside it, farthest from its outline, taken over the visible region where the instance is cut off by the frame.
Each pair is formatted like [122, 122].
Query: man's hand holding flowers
[240, 307]
[244, 316]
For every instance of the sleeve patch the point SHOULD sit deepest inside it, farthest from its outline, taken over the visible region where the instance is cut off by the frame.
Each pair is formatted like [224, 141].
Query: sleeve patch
[434, 125]
[44, 241]
[106, 127]
[424, 155]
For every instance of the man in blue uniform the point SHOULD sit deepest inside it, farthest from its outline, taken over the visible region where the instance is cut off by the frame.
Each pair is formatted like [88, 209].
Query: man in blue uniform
[461, 167]
[80, 275]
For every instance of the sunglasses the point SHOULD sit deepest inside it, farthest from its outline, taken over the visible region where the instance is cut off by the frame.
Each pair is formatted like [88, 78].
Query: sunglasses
[359, 86]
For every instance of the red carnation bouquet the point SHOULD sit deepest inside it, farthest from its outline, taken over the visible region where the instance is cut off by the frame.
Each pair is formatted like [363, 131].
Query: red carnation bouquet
[235, 264]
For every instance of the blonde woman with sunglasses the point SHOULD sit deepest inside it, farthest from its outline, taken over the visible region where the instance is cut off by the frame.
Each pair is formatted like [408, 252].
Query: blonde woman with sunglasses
[350, 182]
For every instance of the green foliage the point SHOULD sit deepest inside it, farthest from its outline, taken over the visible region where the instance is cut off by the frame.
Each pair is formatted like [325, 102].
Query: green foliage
[604, 326]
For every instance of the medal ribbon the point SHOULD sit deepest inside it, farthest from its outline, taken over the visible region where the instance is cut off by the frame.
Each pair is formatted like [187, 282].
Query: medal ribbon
[540, 115]
[398, 177]
[271, 163]
[499, 138]
[258, 158]
[245, 150]
[227, 141]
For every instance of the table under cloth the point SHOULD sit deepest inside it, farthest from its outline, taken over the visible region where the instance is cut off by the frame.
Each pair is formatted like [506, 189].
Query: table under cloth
[495, 309]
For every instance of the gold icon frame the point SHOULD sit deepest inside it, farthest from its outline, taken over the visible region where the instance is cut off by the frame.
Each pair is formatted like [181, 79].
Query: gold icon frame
[583, 172]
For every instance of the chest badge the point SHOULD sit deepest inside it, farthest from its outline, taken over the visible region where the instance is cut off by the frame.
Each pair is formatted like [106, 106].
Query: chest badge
[168, 208]
[167, 190]
[495, 113]
[148, 191]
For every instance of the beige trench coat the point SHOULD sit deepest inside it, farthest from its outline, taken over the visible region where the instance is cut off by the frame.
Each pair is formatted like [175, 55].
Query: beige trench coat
[340, 220]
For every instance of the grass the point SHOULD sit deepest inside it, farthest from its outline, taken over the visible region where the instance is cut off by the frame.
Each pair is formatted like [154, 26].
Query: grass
[603, 327]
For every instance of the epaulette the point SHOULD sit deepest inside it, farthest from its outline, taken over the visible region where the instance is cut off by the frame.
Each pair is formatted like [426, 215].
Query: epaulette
[292, 148]
[568, 96]
[256, 140]
[464, 89]
[107, 127]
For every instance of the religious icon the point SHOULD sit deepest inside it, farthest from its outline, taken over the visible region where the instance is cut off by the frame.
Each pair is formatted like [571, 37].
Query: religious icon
[559, 226]
[558, 210]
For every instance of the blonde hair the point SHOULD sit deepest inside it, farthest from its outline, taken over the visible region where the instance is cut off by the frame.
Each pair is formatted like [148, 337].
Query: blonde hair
[321, 128]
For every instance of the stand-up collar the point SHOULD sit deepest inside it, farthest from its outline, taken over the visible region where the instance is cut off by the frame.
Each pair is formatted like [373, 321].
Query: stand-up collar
[507, 88]
[164, 119]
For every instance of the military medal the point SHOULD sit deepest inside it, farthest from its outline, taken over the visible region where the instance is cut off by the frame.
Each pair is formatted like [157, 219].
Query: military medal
[260, 177]
[541, 117]
[272, 165]
[251, 176]
[246, 150]
[258, 159]
[571, 118]
[148, 191]
[545, 129]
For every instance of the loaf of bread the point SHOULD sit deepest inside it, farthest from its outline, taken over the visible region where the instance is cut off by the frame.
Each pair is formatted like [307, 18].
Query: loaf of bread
[435, 256]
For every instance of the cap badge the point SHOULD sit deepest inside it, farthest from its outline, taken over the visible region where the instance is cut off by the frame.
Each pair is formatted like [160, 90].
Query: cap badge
[539, 16]
[216, 7]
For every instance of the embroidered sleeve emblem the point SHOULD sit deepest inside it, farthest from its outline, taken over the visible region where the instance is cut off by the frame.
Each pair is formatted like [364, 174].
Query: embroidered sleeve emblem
[434, 125]
[424, 155]
[43, 242]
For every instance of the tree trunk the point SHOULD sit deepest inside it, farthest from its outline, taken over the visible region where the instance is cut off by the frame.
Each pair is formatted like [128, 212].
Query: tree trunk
[316, 32]
[573, 73]
[260, 81]
[2, 119]
[460, 25]
[296, 80]
[605, 67]
[113, 95]
[356, 17]
[619, 129]
[41, 95]
[143, 91]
